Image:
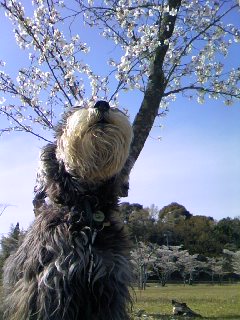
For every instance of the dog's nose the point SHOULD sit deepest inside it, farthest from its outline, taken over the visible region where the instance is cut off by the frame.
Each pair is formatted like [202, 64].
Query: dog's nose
[102, 106]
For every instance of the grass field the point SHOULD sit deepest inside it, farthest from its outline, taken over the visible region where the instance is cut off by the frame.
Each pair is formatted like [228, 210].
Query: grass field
[211, 301]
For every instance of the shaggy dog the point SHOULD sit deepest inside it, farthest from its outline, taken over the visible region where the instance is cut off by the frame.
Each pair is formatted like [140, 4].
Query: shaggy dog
[73, 263]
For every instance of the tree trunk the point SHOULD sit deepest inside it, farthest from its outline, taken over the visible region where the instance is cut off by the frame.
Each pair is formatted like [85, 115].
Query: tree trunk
[163, 282]
[156, 85]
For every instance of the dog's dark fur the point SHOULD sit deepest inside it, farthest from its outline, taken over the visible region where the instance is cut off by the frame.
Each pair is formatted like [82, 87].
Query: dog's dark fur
[71, 264]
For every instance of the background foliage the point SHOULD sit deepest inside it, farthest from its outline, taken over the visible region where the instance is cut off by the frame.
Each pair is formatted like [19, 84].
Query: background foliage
[171, 242]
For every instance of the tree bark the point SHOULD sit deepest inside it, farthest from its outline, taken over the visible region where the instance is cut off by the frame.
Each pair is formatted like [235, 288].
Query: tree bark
[156, 85]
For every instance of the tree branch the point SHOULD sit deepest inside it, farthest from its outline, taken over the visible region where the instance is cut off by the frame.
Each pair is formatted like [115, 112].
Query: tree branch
[197, 37]
[39, 46]
[148, 111]
[200, 88]
[21, 126]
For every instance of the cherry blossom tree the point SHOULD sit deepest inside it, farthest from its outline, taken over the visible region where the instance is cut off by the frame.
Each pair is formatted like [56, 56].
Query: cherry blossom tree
[188, 265]
[142, 258]
[165, 263]
[234, 258]
[162, 261]
[164, 48]
[236, 262]
[217, 267]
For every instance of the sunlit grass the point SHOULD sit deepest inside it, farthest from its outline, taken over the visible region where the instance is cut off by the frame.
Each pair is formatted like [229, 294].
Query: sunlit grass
[219, 302]
[212, 302]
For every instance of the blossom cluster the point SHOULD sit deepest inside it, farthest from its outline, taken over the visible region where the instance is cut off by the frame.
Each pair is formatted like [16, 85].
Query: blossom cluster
[56, 76]
[194, 52]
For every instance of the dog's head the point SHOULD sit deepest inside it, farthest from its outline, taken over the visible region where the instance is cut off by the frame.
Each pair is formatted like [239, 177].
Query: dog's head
[93, 143]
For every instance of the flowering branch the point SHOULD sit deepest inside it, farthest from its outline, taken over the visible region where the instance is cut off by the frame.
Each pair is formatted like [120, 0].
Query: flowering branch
[163, 48]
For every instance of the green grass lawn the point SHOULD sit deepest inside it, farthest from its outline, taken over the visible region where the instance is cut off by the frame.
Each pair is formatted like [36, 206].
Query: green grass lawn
[211, 301]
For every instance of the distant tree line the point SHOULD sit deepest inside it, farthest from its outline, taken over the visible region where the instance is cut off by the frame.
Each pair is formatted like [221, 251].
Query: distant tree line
[174, 225]
[168, 241]
[172, 243]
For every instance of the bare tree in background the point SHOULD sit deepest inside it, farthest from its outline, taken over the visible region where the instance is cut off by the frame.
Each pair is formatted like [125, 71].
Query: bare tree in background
[3, 207]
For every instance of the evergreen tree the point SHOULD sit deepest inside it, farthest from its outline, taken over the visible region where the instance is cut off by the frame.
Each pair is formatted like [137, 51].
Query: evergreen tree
[10, 243]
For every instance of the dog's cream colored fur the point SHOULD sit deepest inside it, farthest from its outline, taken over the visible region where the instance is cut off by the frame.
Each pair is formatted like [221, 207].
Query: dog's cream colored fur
[91, 150]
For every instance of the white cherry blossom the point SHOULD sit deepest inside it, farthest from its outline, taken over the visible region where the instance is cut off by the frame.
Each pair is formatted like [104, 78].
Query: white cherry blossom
[192, 40]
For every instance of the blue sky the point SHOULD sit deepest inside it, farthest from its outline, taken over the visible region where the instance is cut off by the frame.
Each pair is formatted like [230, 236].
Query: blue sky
[195, 164]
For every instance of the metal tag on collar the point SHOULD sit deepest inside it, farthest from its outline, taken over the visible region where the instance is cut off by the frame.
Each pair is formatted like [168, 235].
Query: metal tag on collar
[106, 224]
[98, 216]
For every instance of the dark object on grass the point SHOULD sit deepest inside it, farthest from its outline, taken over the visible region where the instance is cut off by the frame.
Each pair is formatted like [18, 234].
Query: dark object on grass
[181, 309]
